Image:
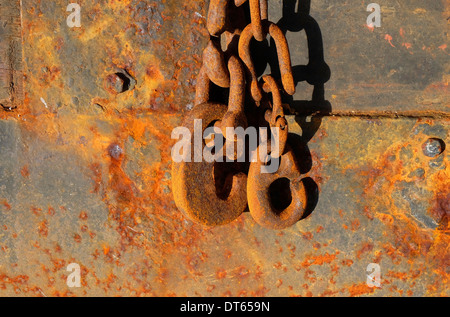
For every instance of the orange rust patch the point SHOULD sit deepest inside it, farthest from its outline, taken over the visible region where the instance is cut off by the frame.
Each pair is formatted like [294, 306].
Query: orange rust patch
[77, 238]
[360, 289]
[221, 274]
[355, 225]
[366, 247]
[410, 239]
[441, 210]
[24, 171]
[43, 228]
[347, 262]
[36, 211]
[83, 215]
[97, 176]
[51, 211]
[316, 172]
[6, 204]
[398, 275]
[319, 259]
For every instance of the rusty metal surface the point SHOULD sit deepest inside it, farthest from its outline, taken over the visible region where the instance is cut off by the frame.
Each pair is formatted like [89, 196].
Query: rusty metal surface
[85, 170]
[400, 67]
[11, 76]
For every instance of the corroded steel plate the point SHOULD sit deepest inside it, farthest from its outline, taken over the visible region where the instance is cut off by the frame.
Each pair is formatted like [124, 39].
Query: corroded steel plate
[85, 159]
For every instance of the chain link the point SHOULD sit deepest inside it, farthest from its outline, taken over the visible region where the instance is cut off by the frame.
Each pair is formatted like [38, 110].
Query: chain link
[233, 68]
[221, 23]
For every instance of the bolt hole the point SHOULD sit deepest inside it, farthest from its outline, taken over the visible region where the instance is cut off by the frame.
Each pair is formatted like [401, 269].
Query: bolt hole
[433, 147]
[126, 81]
[280, 194]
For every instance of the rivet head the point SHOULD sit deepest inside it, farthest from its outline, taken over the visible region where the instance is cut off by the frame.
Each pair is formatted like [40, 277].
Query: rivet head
[119, 82]
[433, 147]
[114, 84]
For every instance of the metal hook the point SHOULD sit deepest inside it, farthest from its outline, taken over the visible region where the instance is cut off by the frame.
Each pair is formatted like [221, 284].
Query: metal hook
[260, 195]
[194, 184]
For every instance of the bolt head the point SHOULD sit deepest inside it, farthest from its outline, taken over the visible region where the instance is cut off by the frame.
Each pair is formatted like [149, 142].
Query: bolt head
[433, 147]
[115, 151]
[114, 84]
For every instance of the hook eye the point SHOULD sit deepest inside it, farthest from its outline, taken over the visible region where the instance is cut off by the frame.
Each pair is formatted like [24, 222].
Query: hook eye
[277, 200]
[280, 194]
[208, 193]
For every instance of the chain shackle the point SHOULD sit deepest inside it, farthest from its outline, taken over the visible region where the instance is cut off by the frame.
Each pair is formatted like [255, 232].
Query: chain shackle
[284, 59]
[258, 13]
[214, 60]
[235, 116]
[203, 87]
[275, 116]
[216, 67]
[217, 17]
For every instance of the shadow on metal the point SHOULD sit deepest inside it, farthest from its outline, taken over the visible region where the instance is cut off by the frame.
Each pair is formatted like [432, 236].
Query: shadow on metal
[308, 113]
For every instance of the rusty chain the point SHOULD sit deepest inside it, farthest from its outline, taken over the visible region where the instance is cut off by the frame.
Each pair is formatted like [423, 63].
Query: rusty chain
[216, 194]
